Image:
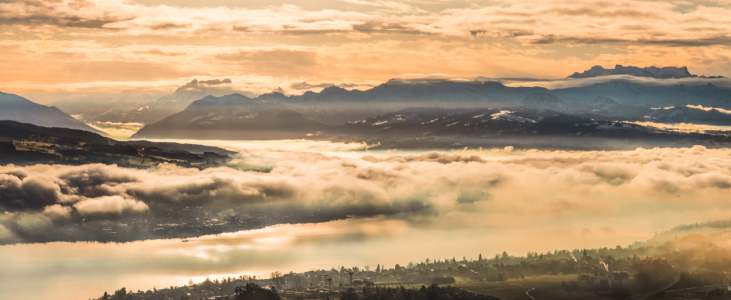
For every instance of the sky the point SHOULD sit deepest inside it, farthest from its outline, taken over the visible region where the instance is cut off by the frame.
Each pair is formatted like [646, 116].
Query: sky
[63, 49]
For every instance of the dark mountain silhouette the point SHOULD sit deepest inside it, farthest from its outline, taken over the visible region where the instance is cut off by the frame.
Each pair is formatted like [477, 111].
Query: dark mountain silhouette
[520, 127]
[25, 144]
[654, 72]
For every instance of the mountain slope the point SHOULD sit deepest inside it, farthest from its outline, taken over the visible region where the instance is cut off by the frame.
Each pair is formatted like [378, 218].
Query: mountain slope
[275, 116]
[627, 92]
[141, 107]
[16, 108]
[544, 101]
[27, 144]
[523, 128]
[233, 116]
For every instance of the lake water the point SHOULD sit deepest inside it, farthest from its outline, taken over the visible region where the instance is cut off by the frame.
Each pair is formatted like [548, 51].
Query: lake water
[86, 270]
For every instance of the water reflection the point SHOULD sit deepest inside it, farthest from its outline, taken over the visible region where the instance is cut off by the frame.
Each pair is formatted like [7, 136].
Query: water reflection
[85, 270]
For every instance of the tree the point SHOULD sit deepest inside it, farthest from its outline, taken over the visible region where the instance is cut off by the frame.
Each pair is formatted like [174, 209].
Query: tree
[207, 284]
[120, 294]
[106, 296]
[378, 269]
[480, 258]
[253, 291]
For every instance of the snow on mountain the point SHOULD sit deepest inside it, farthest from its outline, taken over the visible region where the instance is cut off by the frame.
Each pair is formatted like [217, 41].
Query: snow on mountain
[333, 106]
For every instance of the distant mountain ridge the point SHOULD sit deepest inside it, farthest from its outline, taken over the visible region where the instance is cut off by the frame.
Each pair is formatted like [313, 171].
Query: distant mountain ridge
[331, 106]
[337, 106]
[233, 116]
[145, 108]
[312, 112]
[16, 108]
[653, 72]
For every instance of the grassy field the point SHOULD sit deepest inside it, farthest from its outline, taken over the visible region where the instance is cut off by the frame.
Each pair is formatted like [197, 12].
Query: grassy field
[546, 287]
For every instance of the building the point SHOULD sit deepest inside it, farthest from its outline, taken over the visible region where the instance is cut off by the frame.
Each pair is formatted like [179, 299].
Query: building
[607, 280]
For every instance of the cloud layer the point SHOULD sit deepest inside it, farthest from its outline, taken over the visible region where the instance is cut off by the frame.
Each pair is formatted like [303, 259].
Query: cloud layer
[530, 21]
[78, 45]
[459, 190]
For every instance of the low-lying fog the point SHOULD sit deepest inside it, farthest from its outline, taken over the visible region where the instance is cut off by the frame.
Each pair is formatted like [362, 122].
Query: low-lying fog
[471, 202]
[687, 127]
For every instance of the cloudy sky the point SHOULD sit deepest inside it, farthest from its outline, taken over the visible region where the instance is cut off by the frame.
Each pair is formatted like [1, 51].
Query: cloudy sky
[51, 47]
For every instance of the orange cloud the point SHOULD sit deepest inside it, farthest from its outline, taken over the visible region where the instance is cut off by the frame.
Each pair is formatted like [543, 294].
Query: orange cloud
[72, 45]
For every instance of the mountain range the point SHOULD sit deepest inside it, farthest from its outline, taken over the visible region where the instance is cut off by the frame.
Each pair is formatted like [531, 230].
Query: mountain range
[520, 127]
[654, 72]
[16, 108]
[233, 117]
[149, 108]
[145, 108]
[277, 116]
[335, 111]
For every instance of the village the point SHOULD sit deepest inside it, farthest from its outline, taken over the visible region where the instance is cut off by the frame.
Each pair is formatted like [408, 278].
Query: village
[615, 273]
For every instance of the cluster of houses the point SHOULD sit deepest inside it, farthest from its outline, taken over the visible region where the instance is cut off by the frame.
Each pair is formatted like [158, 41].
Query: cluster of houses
[605, 280]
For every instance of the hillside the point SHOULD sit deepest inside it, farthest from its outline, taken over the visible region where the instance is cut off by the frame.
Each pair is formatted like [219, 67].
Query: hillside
[522, 128]
[16, 108]
[237, 116]
[143, 107]
[233, 117]
[28, 144]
